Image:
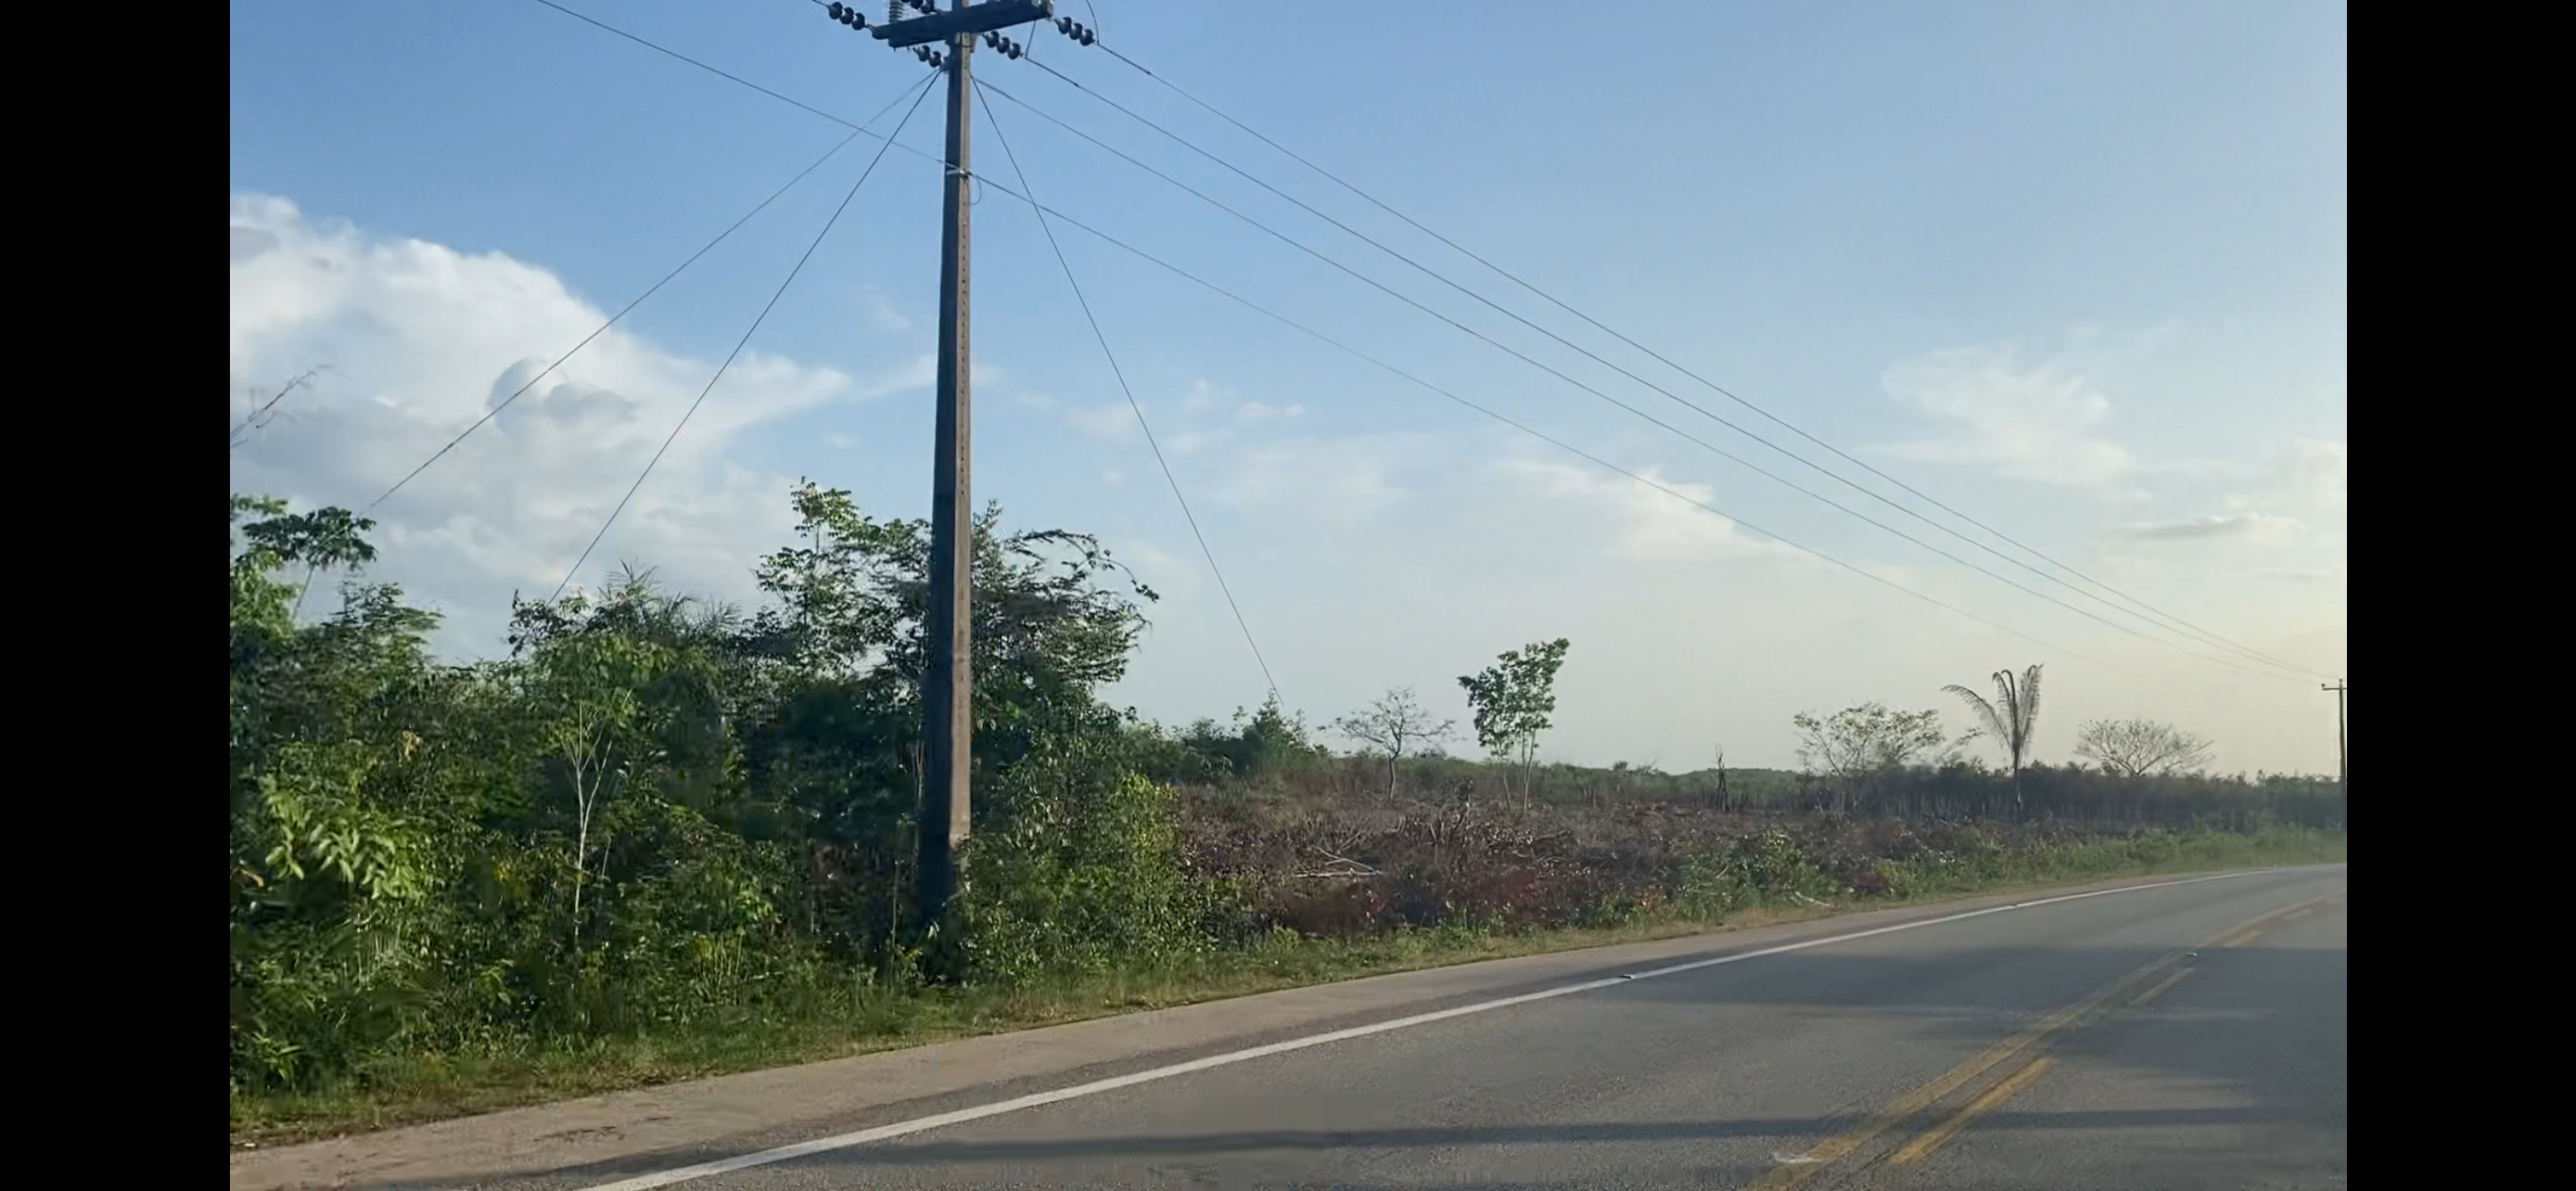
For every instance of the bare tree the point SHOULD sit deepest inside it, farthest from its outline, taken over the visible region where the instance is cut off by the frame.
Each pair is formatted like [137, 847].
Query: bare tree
[2136, 748]
[2010, 719]
[1851, 748]
[1392, 727]
[264, 412]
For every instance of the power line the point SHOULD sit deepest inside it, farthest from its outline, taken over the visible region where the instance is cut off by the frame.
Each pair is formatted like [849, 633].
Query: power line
[890, 143]
[629, 308]
[1694, 406]
[1132, 403]
[740, 343]
[1542, 436]
[661, 49]
[1731, 396]
[1647, 417]
[2171, 620]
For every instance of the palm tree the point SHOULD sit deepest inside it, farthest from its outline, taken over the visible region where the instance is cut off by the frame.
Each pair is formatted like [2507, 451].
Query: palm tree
[2011, 718]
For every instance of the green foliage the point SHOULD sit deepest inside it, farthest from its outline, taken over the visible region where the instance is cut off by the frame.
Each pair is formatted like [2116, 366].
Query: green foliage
[657, 811]
[1512, 701]
[660, 819]
[1078, 871]
[1270, 740]
[2011, 720]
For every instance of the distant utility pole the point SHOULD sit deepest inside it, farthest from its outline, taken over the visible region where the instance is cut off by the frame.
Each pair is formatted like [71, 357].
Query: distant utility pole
[2343, 745]
[948, 680]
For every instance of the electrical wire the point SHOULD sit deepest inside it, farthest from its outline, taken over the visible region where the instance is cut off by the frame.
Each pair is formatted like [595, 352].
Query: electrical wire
[1095, 232]
[2149, 611]
[741, 343]
[1132, 404]
[1647, 417]
[1542, 436]
[629, 308]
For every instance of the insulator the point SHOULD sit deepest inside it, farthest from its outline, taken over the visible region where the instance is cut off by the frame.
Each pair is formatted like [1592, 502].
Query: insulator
[1089, 37]
[1064, 25]
[835, 9]
[894, 11]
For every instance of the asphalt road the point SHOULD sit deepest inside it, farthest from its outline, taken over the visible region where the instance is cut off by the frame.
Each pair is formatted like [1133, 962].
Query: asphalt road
[2185, 1036]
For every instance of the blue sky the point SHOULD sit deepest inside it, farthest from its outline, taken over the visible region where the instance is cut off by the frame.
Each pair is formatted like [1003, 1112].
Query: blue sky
[2076, 270]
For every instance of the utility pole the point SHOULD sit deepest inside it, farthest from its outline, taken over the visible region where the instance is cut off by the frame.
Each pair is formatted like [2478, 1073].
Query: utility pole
[948, 680]
[2343, 740]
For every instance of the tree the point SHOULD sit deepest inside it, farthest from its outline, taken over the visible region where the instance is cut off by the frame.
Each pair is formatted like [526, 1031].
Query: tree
[1513, 699]
[585, 701]
[2137, 748]
[2010, 719]
[1392, 726]
[1854, 746]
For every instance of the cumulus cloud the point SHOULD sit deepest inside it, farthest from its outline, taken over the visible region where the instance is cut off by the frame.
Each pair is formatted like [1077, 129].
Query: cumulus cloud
[1191, 442]
[1254, 411]
[2041, 423]
[1349, 475]
[1654, 525]
[884, 314]
[1113, 420]
[2319, 473]
[430, 339]
[1171, 576]
[2239, 526]
[2333, 575]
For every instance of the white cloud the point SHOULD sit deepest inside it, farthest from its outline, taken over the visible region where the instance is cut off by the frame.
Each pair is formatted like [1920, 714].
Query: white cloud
[2320, 473]
[1200, 396]
[839, 442]
[2334, 575]
[1175, 578]
[883, 313]
[2034, 423]
[438, 337]
[1345, 476]
[1114, 420]
[2234, 526]
[1653, 525]
[1254, 411]
[1193, 441]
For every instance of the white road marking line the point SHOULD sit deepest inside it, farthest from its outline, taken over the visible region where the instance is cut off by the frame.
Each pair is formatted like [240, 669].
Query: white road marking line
[842, 1141]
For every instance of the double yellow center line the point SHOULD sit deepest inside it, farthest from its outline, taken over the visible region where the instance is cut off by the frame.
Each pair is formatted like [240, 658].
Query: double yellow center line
[1904, 1108]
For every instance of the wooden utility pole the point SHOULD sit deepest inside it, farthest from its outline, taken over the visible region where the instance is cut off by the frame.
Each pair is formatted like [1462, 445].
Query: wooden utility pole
[2343, 740]
[948, 680]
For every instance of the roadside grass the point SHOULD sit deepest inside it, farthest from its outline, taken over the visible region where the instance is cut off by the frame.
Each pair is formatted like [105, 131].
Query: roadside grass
[859, 1017]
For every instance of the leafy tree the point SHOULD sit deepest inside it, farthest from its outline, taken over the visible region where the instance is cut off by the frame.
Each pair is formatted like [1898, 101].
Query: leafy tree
[2137, 748]
[1393, 726]
[2010, 719]
[1267, 740]
[1511, 701]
